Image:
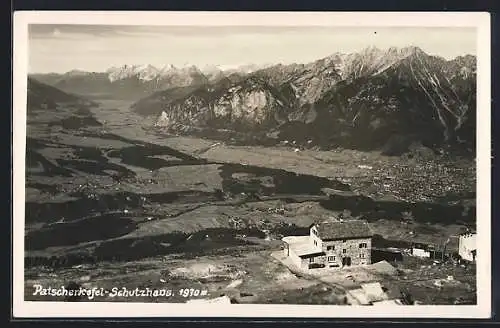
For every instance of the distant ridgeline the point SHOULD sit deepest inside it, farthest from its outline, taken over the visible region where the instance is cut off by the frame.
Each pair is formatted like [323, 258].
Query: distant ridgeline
[394, 100]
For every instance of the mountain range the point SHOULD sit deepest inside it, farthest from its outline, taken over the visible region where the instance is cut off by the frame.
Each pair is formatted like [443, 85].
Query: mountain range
[135, 81]
[43, 97]
[374, 99]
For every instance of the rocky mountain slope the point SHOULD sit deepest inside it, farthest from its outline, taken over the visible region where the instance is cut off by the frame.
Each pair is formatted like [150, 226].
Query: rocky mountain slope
[375, 99]
[383, 99]
[241, 105]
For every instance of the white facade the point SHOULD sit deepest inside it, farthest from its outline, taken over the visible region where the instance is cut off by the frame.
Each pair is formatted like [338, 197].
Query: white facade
[467, 246]
[315, 240]
[298, 249]
[295, 258]
[420, 252]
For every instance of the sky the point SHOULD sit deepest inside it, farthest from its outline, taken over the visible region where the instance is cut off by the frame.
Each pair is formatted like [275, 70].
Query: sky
[95, 48]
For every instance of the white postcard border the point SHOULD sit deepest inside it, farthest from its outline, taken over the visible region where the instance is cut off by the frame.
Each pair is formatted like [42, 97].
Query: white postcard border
[480, 20]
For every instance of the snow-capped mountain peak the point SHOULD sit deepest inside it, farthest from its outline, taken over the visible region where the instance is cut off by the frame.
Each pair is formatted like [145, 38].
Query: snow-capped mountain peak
[211, 69]
[167, 70]
[143, 72]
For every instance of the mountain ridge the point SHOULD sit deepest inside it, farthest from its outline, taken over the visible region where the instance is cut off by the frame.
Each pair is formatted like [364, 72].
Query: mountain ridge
[365, 99]
[362, 100]
[128, 70]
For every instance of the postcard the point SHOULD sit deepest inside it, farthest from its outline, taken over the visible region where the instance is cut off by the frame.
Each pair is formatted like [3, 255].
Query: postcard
[251, 164]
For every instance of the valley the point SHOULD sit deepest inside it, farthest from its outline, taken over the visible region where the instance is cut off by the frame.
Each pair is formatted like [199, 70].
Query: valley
[115, 199]
[122, 196]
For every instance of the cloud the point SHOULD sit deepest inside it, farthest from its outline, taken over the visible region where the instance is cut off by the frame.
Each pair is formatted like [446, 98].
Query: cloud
[56, 33]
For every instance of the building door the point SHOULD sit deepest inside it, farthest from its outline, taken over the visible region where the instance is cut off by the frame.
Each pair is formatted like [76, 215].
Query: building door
[346, 261]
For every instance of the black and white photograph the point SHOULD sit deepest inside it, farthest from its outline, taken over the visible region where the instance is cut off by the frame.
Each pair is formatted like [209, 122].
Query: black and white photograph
[218, 162]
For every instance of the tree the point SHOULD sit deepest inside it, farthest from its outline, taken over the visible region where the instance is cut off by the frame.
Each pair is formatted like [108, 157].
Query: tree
[406, 298]
[219, 194]
[346, 214]
[408, 217]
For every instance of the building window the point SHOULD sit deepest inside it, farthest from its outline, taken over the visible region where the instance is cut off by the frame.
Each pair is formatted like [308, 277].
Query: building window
[331, 258]
[344, 251]
[315, 243]
[330, 248]
[363, 245]
[362, 255]
[311, 260]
